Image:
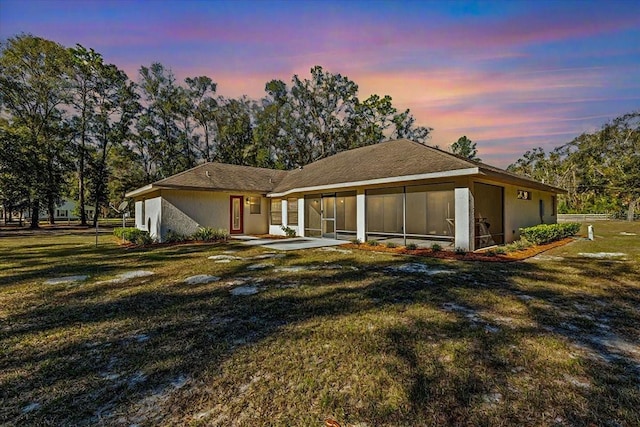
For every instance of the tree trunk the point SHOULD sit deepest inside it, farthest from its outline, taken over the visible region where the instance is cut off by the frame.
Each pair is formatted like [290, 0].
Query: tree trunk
[51, 210]
[632, 209]
[35, 213]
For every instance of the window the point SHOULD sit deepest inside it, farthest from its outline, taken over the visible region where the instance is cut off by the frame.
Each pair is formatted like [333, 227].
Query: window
[254, 205]
[292, 211]
[276, 212]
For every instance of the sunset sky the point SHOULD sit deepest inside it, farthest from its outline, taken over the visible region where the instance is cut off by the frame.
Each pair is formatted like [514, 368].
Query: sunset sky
[511, 75]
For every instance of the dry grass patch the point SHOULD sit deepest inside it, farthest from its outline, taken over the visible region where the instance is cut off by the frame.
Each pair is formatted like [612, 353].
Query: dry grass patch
[550, 341]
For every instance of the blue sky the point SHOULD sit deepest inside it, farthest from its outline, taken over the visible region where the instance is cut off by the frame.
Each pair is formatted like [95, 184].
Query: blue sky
[511, 75]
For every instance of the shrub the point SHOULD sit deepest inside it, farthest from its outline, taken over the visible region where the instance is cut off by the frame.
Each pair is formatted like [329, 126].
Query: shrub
[210, 234]
[173, 237]
[436, 247]
[545, 233]
[518, 245]
[391, 245]
[290, 232]
[133, 235]
[372, 242]
[411, 246]
[120, 231]
[205, 234]
[460, 251]
[141, 238]
[500, 250]
[355, 241]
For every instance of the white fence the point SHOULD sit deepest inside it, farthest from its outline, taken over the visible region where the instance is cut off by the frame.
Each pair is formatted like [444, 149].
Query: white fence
[583, 217]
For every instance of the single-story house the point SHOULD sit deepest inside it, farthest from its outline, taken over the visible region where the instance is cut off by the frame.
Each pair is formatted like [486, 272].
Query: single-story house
[399, 190]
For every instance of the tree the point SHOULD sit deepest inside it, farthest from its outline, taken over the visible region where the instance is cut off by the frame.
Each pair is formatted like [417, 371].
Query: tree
[464, 147]
[84, 80]
[168, 146]
[599, 170]
[203, 107]
[33, 89]
[115, 107]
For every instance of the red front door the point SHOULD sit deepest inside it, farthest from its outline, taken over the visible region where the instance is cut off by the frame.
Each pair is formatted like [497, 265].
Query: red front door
[237, 215]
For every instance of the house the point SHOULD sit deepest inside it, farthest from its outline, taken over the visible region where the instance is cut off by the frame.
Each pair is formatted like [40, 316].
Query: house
[66, 210]
[398, 190]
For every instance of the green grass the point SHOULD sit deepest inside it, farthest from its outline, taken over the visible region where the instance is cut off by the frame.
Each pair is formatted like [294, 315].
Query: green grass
[553, 340]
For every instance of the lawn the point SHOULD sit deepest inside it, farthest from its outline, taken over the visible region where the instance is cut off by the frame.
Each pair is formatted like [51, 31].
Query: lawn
[364, 338]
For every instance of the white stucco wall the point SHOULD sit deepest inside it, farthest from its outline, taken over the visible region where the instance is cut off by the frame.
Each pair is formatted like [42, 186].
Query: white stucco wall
[153, 216]
[139, 217]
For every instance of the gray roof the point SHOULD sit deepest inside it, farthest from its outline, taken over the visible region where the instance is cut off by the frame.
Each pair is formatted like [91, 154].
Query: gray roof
[219, 176]
[390, 159]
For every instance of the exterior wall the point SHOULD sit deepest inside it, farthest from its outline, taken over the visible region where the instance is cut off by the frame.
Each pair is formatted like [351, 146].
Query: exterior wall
[255, 223]
[520, 213]
[186, 211]
[153, 217]
[139, 217]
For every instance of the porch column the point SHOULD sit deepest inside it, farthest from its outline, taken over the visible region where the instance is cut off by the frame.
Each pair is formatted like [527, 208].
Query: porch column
[285, 213]
[465, 229]
[361, 219]
[301, 216]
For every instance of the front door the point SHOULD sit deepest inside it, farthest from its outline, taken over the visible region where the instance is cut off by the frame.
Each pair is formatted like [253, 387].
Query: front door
[237, 215]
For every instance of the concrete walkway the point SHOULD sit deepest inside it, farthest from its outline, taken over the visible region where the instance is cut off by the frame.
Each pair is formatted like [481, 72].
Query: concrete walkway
[293, 244]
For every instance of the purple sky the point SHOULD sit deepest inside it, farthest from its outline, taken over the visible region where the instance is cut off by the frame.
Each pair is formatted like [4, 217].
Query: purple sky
[511, 75]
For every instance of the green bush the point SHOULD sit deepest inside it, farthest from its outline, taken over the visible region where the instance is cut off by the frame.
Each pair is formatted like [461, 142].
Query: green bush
[518, 245]
[133, 235]
[372, 242]
[210, 234]
[119, 231]
[411, 246]
[174, 237]
[545, 233]
[500, 250]
[355, 241]
[436, 247]
[391, 245]
[460, 251]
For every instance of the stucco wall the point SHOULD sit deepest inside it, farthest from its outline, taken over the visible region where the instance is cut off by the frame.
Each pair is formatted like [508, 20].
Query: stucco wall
[139, 217]
[520, 213]
[255, 223]
[185, 211]
[153, 216]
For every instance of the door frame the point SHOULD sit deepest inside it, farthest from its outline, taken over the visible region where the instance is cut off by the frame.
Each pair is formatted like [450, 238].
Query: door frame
[324, 218]
[241, 229]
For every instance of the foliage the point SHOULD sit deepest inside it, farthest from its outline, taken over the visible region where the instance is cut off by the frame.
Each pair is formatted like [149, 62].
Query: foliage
[436, 247]
[175, 237]
[599, 170]
[545, 233]
[33, 92]
[209, 234]
[372, 242]
[133, 235]
[466, 148]
[411, 246]
[518, 245]
[356, 241]
[288, 231]
[391, 245]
